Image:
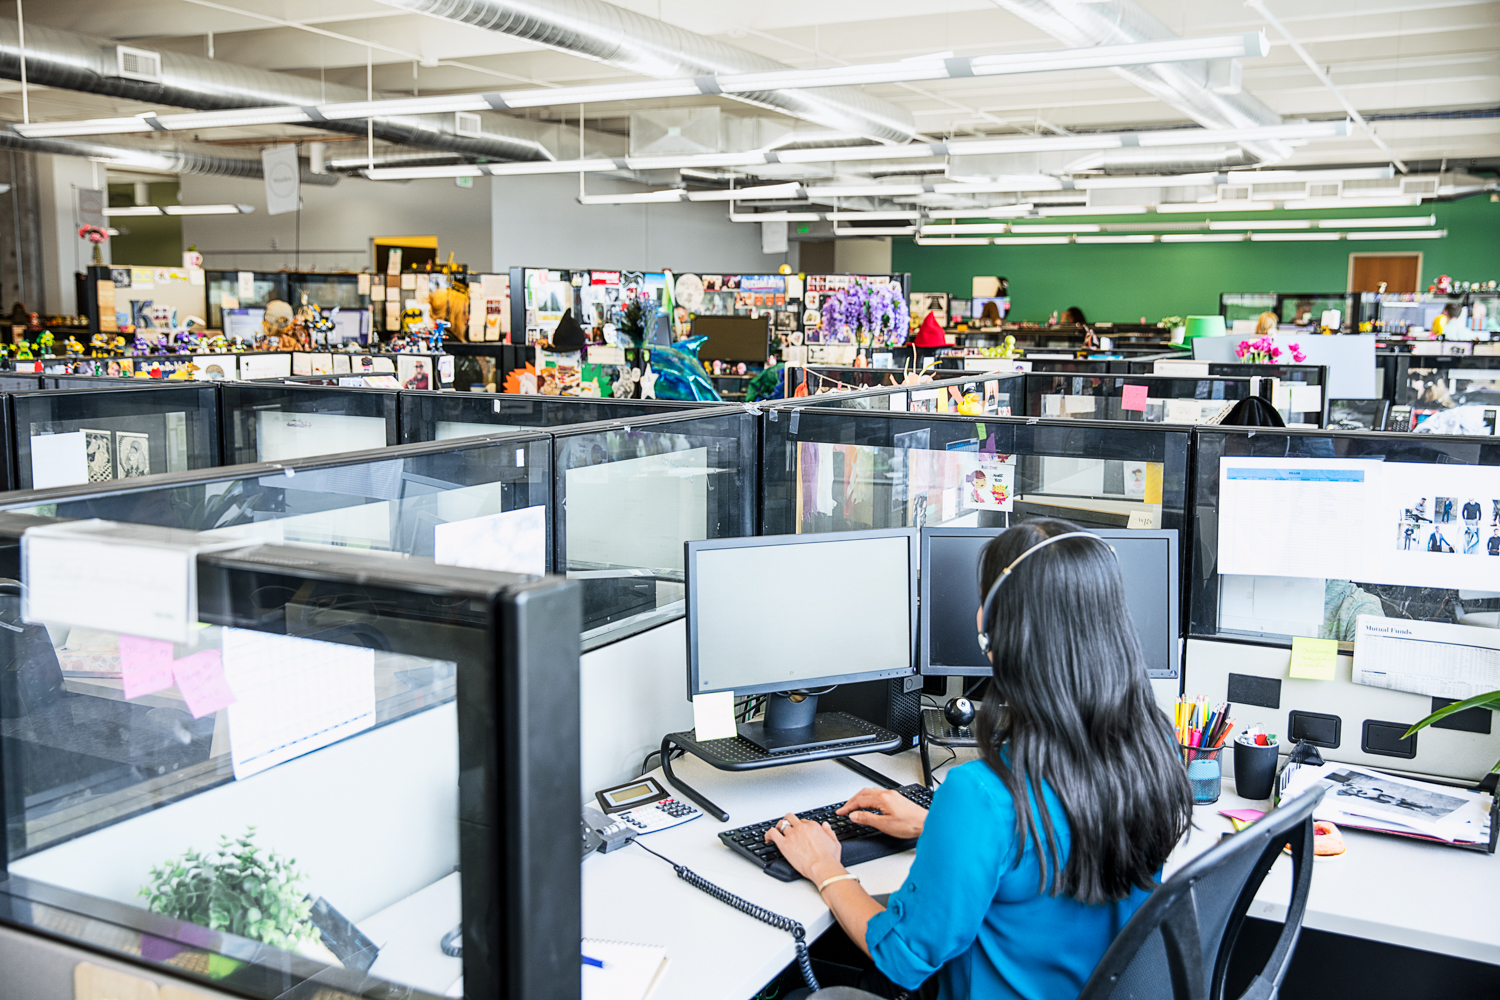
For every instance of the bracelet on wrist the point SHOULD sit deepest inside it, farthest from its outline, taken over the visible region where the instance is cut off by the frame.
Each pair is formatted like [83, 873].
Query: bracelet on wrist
[836, 878]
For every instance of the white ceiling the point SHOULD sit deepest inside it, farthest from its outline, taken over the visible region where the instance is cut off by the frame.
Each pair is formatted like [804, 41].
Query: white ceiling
[1392, 60]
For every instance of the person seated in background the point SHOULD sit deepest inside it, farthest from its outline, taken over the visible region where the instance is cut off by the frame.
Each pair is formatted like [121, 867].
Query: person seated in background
[1265, 324]
[1073, 316]
[1033, 857]
[1303, 316]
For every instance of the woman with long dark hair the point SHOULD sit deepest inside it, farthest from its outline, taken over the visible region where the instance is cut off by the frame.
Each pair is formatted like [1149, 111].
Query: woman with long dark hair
[1034, 856]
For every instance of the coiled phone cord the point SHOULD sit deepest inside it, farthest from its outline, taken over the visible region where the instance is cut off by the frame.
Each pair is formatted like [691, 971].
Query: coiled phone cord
[792, 927]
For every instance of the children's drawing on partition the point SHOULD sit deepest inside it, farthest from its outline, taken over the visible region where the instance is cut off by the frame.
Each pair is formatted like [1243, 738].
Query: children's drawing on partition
[989, 483]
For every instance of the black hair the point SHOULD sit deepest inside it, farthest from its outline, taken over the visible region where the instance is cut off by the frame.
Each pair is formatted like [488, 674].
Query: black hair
[1074, 315]
[1070, 705]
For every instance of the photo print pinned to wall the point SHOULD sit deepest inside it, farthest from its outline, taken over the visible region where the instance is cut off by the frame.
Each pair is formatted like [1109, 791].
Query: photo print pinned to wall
[99, 449]
[132, 454]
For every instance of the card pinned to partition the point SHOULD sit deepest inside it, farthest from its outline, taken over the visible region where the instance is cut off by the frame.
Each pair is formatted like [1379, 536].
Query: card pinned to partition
[201, 680]
[713, 716]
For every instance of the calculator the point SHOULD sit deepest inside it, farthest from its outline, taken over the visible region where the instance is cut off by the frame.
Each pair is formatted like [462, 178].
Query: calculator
[645, 806]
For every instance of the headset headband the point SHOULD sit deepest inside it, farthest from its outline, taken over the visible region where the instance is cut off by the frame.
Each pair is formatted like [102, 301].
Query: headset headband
[1042, 544]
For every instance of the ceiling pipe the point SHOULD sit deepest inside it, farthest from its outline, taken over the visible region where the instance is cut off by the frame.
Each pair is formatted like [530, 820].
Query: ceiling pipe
[157, 161]
[603, 32]
[1184, 86]
[89, 63]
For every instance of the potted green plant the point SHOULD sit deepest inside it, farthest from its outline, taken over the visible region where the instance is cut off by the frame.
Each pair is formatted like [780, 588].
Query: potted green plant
[239, 890]
[1490, 700]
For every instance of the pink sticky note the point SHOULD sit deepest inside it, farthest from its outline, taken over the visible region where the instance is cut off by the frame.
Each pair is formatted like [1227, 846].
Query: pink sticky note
[1243, 815]
[145, 665]
[201, 680]
[1135, 398]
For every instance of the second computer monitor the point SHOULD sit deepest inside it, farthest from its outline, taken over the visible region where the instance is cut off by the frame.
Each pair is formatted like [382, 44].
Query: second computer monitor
[950, 596]
[775, 613]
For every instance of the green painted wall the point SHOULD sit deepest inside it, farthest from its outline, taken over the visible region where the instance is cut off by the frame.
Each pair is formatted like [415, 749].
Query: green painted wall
[145, 240]
[1123, 283]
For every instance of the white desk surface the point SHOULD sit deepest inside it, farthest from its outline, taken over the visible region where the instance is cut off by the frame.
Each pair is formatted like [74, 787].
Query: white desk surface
[1384, 888]
[409, 934]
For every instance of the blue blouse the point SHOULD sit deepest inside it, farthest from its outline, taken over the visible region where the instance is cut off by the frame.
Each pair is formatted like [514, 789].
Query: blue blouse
[970, 913]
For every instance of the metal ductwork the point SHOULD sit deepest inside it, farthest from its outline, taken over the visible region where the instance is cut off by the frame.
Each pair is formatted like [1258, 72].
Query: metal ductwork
[142, 158]
[1184, 86]
[609, 34]
[96, 65]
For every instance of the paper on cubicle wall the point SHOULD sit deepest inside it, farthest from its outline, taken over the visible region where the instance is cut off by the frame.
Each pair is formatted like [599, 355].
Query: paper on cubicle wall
[636, 513]
[450, 429]
[293, 696]
[1428, 658]
[59, 460]
[280, 436]
[513, 541]
[1405, 524]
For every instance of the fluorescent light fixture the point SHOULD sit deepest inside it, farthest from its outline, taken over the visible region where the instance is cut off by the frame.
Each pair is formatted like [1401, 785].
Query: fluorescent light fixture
[1410, 234]
[634, 198]
[762, 193]
[527, 167]
[1032, 241]
[1203, 238]
[1294, 237]
[1293, 176]
[874, 230]
[645, 90]
[775, 217]
[1254, 133]
[235, 118]
[1215, 206]
[1000, 212]
[911, 215]
[405, 106]
[1037, 144]
[126, 210]
[749, 159]
[967, 227]
[1305, 203]
[1077, 227]
[911, 151]
[959, 241]
[1001, 185]
[1142, 238]
[865, 190]
[94, 126]
[422, 173]
[1147, 181]
[209, 209]
[1064, 210]
[1130, 54]
[1373, 223]
[1260, 224]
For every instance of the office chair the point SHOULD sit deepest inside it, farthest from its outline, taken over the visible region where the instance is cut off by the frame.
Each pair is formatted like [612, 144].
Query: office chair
[1177, 946]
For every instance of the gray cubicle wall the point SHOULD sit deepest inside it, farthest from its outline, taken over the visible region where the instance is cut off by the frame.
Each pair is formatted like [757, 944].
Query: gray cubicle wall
[1167, 399]
[448, 686]
[442, 416]
[1241, 627]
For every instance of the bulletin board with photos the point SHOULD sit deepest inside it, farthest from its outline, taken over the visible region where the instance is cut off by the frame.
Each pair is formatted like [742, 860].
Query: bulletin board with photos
[75, 437]
[1382, 524]
[598, 300]
[445, 293]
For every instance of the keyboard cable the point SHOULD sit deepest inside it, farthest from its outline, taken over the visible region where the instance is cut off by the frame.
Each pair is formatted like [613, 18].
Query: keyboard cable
[792, 927]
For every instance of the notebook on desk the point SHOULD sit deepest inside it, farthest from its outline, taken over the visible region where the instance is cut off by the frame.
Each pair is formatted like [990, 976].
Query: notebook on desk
[631, 971]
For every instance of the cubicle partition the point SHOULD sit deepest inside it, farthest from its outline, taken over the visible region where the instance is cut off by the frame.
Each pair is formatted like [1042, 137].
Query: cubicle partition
[1300, 533]
[268, 422]
[383, 740]
[441, 416]
[974, 393]
[1161, 398]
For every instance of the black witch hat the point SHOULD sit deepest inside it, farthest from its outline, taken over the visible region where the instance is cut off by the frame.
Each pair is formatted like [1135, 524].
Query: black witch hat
[569, 335]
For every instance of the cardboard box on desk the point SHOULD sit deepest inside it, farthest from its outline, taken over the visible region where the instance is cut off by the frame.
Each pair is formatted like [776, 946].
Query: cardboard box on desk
[1350, 723]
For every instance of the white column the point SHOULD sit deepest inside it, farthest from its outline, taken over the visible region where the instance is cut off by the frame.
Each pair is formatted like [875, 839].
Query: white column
[63, 253]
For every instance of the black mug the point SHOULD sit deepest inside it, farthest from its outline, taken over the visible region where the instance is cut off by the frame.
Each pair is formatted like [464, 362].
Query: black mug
[1254, 769]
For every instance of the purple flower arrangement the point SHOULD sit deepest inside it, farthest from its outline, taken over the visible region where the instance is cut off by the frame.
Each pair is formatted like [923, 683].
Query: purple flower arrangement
[866, 312]
[1264, 351]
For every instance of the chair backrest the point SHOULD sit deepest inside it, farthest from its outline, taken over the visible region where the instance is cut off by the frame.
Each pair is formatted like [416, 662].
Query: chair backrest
[1177, 945]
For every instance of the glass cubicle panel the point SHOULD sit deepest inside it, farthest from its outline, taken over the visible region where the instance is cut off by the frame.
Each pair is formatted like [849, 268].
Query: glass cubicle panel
[481, 502]
[1452, 395]
[1245, 306]
[628, 495]
[1306, 309]
[73, 437]
[974, 394]
[1314, 528]
[19, 381]
[839, 470]
[325, 290]
[1138, 398]
[274, 423]
[442, 416]
[1301, 394]
[308, 794]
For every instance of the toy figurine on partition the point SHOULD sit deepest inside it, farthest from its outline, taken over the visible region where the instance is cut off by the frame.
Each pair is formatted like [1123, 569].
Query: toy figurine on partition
[23, 350]
[45, 342]
[72, 346]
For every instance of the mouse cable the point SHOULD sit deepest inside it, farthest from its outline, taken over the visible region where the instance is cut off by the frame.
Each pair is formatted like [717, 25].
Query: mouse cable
[793, 927]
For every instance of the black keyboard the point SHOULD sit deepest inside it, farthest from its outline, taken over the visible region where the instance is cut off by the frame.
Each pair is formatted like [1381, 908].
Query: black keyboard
[860, 843]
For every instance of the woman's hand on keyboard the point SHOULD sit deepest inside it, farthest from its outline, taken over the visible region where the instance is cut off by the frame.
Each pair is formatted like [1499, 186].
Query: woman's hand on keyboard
[898, 815]
[812, 848]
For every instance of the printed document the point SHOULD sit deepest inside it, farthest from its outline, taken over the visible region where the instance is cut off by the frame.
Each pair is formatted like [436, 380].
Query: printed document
[1428, 658]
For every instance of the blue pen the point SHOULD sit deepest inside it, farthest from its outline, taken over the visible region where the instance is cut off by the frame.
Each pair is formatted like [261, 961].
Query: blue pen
[593, 961]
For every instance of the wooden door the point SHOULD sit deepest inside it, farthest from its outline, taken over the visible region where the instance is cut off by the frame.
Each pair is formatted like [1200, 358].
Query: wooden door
[1399, 271]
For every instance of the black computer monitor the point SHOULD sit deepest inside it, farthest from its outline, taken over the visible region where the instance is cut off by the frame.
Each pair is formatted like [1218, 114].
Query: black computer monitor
[950, 596]
[733, 338]
[844, 608]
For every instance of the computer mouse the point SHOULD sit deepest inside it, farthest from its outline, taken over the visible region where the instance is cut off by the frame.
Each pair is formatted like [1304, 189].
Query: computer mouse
[959, 712]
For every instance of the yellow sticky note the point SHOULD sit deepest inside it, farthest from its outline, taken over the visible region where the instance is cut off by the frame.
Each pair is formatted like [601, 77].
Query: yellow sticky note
[713, 716]
[1314, 659]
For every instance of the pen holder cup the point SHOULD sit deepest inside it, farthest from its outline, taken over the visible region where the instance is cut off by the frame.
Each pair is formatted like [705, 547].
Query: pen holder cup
[1254, 769]
[1205, 770]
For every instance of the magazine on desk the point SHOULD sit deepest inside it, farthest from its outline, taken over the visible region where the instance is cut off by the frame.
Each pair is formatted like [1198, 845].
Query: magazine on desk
[1364, 799]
